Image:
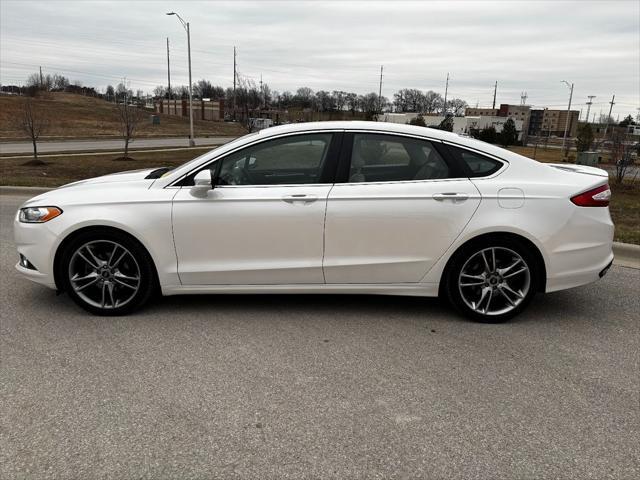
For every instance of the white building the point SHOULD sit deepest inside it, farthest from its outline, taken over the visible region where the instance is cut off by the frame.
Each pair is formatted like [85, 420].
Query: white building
[479, 123]
[461, 125]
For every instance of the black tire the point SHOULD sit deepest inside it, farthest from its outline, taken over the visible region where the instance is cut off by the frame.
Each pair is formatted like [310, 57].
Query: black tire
[467, 257]
[135, 259]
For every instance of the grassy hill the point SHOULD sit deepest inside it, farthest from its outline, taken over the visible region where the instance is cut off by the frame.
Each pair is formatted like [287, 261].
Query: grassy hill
[77, 116]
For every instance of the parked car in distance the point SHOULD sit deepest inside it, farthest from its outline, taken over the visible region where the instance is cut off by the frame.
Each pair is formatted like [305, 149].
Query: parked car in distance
[332, 207]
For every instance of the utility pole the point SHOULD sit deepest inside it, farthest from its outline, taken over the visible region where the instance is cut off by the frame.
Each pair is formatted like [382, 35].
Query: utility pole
[380, 91]
[192, 141]
[566, 123]
[168, 72]
[589, 103]
[495, 91]
[41, 80]
[185, 25]
[234, 82]
[611, 104]
[446, 89]
[261, 92]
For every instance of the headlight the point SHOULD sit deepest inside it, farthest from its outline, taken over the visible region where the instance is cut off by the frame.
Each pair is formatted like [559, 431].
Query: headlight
[38, 214]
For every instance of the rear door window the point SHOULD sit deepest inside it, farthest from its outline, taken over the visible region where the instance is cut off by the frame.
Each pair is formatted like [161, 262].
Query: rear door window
[391, 158]
[477, 165]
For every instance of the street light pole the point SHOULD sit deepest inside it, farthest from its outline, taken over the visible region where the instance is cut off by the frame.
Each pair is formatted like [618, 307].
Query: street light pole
[185, 25]
[566, 123]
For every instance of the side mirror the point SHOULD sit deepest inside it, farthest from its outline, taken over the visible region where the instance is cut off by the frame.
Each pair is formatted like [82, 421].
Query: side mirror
[203, 179]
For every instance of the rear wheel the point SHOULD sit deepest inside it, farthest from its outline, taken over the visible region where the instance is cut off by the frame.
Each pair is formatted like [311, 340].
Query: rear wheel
[492, 281]
[107, 272]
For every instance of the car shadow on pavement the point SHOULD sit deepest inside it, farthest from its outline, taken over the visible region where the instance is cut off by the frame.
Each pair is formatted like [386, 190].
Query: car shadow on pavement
[568, 307]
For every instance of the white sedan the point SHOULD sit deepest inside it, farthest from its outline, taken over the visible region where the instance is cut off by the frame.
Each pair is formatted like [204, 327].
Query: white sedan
[333, 207]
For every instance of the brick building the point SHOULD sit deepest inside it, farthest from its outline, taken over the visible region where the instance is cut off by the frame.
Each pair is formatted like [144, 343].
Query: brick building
[202, 109]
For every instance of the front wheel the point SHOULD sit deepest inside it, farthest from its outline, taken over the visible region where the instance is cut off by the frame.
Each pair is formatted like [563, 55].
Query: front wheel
[107, 272]
[493, 281]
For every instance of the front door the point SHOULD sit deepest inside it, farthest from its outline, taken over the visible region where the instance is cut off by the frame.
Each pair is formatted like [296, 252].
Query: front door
[400, 205]
[263, 223]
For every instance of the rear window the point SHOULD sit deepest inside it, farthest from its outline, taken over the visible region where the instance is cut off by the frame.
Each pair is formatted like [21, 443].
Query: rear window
[478, 165]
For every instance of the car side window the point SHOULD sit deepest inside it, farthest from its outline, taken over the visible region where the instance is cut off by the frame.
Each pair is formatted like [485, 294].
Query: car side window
[478, 165]
[297, 159]
[389, 158]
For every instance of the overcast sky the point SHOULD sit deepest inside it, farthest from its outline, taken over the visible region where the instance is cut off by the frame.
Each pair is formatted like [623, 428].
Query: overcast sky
[525, 45]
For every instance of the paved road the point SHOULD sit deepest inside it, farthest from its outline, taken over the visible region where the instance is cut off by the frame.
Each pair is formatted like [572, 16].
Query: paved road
[318, 386]
[95, 145]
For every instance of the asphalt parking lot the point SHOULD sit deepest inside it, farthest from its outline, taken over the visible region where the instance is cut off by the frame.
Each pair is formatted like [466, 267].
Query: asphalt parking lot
[318, 386]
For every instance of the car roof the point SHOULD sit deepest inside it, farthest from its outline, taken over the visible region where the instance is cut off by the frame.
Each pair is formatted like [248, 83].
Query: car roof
[359, 125]
[385, 127]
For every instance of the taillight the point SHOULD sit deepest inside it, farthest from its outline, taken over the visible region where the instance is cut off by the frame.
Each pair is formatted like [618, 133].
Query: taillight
[596, 197]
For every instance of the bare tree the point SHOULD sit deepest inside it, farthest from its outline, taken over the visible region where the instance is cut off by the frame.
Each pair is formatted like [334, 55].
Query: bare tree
[129, 117]
[622, 148]
[456, 106]
[433, 101]
[33, 121]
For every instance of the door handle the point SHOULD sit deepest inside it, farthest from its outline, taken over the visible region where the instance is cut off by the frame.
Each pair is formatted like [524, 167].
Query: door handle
[299, 198]
[454, 197]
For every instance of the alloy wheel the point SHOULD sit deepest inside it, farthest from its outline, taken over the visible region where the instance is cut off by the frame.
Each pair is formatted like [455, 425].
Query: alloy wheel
[494, 281]
[104, 274]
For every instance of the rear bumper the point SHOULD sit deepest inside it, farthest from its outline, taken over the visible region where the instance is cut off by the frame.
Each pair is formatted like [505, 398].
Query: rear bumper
[581, 276]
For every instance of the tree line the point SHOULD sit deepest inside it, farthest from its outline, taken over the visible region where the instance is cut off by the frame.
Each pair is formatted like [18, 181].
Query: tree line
[250, 96]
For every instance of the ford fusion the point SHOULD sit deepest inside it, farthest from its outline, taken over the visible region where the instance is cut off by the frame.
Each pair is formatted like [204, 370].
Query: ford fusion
[332, 207]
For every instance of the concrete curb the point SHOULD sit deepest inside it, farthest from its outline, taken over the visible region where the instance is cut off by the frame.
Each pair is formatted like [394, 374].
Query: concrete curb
[626, 254]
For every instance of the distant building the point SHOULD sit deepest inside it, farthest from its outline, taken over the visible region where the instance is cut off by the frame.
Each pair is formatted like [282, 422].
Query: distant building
[633, 130]
[516, 112]
[257, 124]
[497, 122]
[538, 122]
[461, 125]
[480, 112]
[202, 109]
[545, 122]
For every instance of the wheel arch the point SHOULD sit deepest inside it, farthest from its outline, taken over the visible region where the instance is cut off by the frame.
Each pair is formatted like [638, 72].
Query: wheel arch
[95, 228]
[487, 237]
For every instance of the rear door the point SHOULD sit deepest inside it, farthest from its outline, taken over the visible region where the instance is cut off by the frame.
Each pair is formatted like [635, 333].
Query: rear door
[398, 203]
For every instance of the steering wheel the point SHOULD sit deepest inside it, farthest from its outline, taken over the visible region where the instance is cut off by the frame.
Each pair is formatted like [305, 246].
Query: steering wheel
[238, 176]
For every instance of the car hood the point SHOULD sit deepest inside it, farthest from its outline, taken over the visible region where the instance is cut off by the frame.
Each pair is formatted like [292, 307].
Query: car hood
[97, 190]
[128, 176]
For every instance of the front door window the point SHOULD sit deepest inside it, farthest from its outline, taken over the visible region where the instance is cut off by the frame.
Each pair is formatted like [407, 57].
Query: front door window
[287, 161]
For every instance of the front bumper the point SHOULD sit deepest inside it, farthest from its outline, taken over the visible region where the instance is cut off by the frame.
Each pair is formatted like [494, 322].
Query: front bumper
[37, 277]
[37, 243]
